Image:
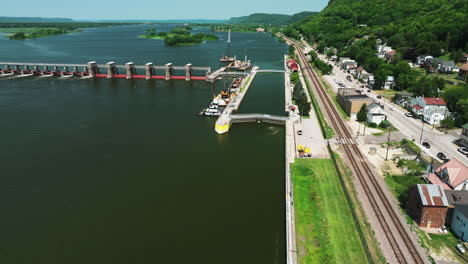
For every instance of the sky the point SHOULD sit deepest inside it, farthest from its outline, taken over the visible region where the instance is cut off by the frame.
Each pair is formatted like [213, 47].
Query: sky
[155, 9]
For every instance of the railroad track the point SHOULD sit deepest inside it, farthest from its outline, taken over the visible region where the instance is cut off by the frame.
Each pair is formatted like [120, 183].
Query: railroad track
[384, 211]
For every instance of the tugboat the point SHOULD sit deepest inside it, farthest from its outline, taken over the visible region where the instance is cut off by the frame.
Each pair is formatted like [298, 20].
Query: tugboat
[227, 58]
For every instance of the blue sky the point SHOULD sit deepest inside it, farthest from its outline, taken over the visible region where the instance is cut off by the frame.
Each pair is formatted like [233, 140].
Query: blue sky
[155, 9]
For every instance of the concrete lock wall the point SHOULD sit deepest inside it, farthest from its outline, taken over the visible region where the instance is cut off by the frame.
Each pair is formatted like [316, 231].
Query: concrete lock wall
[188, 72]
[110, 69]
[149, 70]
[169, 70]
[92, 69]
[129, 70]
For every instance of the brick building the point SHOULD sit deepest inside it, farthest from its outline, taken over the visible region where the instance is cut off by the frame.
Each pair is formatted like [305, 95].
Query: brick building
[428, 205]
[351, 101]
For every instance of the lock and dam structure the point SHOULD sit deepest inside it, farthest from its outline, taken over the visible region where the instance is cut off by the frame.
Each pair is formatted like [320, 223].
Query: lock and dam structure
[112, 70]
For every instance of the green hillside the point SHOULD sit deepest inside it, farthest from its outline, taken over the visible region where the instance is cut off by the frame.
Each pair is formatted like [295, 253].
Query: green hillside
[271, 19]
[428, 26]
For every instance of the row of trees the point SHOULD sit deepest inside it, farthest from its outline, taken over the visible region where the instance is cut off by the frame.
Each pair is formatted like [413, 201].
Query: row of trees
[299, 96]
[322, 66]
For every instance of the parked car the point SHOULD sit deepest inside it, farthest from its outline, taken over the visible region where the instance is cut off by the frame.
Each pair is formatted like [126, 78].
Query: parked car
[461, 248]
[379, 96]
[368, 90]
[408, 114]
[426, 145]
[442, 156]
[463, 150]
[299, 132]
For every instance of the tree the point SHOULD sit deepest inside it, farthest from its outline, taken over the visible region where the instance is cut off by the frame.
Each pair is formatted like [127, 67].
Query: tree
[291, 50]
[313, 55]
[385, 124]
[448, 123]
[462, 110]
[362, 114]
[330, 53]
[456, 55]
[321, 46]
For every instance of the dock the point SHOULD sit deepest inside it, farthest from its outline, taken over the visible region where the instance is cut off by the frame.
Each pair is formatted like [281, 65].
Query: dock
[225, 120]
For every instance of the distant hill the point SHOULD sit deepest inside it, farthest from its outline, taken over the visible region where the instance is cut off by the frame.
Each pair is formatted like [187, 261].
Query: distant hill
[429, 26]
[191, 21]
[273, 19]
[34, 20]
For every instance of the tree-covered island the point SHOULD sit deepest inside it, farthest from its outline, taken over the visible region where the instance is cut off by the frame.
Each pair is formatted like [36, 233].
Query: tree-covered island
[179, 36]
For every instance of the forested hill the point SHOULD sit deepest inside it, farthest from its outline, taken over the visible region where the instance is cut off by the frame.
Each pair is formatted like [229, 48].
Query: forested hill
[429, 26]
[273, 19]
[34, 20]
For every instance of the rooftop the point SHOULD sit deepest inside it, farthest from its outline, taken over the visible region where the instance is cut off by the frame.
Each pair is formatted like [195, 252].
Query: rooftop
[457, 196]
[432, 195]
[434, 101]
[457, 174]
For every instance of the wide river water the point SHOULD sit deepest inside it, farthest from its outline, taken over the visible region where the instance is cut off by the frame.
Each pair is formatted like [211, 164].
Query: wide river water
[123, 171]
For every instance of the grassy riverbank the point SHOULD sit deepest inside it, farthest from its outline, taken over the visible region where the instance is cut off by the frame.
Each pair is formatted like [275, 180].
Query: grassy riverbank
[326, 232]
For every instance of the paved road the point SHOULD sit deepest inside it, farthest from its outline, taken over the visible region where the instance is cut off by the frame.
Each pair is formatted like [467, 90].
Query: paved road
[408, 126]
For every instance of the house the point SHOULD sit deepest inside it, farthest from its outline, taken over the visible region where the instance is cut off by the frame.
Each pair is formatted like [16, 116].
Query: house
[421, 59]
[464, 135]
[370, 81]
[432, 64]
[348, 65]
[260, 29]
[464, 58]
[390, 55]
[452, 175]
[433, 110]
[446, 67]
[389, 82]
[454, 198]
[352, 101]
[463, 72]
[403, 98]
[360, 73]
[459, 223]
[427, 205]
[292, 65]
[381, 49]
[375, 113]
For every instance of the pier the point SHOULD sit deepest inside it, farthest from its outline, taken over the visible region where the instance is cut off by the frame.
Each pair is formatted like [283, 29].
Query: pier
[111, 70]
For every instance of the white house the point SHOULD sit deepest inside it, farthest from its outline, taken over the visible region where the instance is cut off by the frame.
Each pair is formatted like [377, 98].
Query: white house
[381, 49]
[370, 81]
[375, 113]
[459, 223]
[433, 110]
[422, 59]
[389, 82]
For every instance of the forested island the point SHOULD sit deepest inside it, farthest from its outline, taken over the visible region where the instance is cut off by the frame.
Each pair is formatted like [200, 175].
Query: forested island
[20, 31]
[179, 36]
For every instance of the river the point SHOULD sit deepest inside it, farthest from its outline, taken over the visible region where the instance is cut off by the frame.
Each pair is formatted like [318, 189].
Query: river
[123, 171]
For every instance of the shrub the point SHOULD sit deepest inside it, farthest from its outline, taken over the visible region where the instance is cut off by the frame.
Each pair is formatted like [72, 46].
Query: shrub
[385, 124]
[373, 125]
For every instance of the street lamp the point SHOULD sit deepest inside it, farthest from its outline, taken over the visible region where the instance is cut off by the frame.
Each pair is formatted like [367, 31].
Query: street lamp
[422, 129]
[388, 142]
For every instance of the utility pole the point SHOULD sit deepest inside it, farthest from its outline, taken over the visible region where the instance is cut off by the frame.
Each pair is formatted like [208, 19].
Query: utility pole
[388, 141]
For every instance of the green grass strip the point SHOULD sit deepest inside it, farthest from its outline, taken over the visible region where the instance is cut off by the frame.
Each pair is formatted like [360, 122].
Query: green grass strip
[325, 228]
